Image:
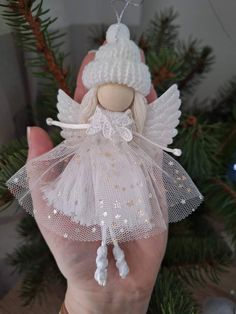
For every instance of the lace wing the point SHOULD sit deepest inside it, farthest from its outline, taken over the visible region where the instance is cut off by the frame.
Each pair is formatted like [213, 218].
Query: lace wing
[68, 112]
[163, 117]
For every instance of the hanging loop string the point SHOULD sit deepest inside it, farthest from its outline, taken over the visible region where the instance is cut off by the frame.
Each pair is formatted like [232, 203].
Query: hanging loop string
[119, 16]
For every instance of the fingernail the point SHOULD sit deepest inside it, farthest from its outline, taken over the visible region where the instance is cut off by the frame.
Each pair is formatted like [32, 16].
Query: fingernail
[28, 135]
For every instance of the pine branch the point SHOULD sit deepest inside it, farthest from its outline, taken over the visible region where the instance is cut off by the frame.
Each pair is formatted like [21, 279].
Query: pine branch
[26, 19]
[222, 199]
[170, 297]
[12, 158]
[196, 252]
[28, 229]
[173, 61]
[226, 188]
[35, 262]
[162, 32]
[166, 68]
[42, 47]
[197, 62]
[228, 140]
[200, 142]
[223, 106]
[97, 36]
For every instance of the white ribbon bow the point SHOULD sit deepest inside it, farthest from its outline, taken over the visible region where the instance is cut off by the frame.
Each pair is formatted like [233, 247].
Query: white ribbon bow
[111, 124]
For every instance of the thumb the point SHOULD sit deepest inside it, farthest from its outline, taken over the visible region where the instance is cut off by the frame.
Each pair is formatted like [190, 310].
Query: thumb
[38, 142]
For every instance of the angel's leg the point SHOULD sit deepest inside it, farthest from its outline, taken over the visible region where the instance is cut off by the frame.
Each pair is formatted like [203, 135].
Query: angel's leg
[119, 256]
[100, 274]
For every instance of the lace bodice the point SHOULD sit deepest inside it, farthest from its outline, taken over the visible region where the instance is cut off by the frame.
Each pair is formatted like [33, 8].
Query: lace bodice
[111, 124]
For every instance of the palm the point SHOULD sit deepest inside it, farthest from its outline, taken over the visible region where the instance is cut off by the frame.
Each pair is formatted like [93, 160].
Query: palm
[76, 260]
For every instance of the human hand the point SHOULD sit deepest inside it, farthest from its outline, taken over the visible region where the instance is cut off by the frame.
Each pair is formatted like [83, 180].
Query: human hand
[76, 260]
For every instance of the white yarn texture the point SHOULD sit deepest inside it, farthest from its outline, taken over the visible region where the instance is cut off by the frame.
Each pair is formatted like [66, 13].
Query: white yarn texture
[121, 263]
[130, 189]
[100, 274]
[118, 61]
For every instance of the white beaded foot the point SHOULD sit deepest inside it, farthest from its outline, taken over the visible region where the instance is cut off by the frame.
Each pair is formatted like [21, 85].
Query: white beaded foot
[120, 261]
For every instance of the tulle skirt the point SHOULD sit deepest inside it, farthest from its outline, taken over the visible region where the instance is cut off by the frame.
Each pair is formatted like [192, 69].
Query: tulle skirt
[94, 186]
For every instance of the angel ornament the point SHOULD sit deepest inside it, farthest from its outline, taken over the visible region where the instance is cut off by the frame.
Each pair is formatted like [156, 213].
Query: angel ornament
[111, 179]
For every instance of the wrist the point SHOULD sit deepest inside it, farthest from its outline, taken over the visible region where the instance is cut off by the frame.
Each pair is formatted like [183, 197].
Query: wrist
[95, 302]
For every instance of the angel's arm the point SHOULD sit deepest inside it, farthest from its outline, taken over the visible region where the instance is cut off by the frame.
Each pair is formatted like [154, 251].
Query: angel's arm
[175, 151]
[71, 126]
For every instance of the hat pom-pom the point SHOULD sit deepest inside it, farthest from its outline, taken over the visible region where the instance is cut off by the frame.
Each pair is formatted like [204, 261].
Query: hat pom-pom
[117, 31]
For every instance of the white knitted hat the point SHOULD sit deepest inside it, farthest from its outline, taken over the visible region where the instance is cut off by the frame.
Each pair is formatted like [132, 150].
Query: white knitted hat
[118, 61]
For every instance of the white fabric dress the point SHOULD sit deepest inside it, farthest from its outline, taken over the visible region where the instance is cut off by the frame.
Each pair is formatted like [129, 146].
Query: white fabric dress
[108, 179]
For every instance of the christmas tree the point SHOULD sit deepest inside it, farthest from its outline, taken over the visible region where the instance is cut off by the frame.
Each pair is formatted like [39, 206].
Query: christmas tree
[196, 252]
